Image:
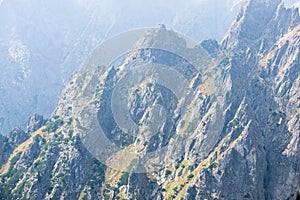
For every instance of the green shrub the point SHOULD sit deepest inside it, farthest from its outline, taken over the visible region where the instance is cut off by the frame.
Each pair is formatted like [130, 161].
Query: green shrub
[247, 196]
[14, 160]
[52, 126]
[190, 176]
[124, 179]
[212, 165]
[225, 61]
[168, 172]
[69, 121]
[190, 167]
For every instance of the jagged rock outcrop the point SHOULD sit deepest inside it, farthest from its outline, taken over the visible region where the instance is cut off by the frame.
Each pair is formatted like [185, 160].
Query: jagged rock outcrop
[8, 143]
[4, 150]
[35, 122]
[259, 25]
[17, 136]
[253, 39]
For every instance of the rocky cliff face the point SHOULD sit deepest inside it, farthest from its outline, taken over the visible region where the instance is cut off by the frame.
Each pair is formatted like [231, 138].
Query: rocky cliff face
[233, 135]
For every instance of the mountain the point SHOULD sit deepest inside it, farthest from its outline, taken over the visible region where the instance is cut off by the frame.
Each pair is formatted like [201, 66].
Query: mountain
[43, 43]
[230, 130]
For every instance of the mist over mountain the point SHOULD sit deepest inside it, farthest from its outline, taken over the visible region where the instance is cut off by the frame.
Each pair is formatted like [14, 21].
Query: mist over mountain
[42, 43]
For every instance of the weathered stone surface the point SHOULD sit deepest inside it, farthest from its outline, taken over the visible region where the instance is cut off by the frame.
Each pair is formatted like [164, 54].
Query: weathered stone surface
[34, 123]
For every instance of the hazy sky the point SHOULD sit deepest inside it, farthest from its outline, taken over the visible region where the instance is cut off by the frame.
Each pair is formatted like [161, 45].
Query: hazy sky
[214, 16]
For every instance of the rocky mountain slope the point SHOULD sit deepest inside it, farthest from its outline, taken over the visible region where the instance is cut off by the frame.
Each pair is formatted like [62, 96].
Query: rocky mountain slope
[43, 43]
[234, 134]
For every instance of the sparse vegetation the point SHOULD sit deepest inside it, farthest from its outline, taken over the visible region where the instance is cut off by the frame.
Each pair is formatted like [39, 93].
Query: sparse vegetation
[190, 176]
[191, 127]
[212, 165]
[124, 179]
[247, 196]
[69, 121]
[168, 172]
[53, 125]
[225, 61]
